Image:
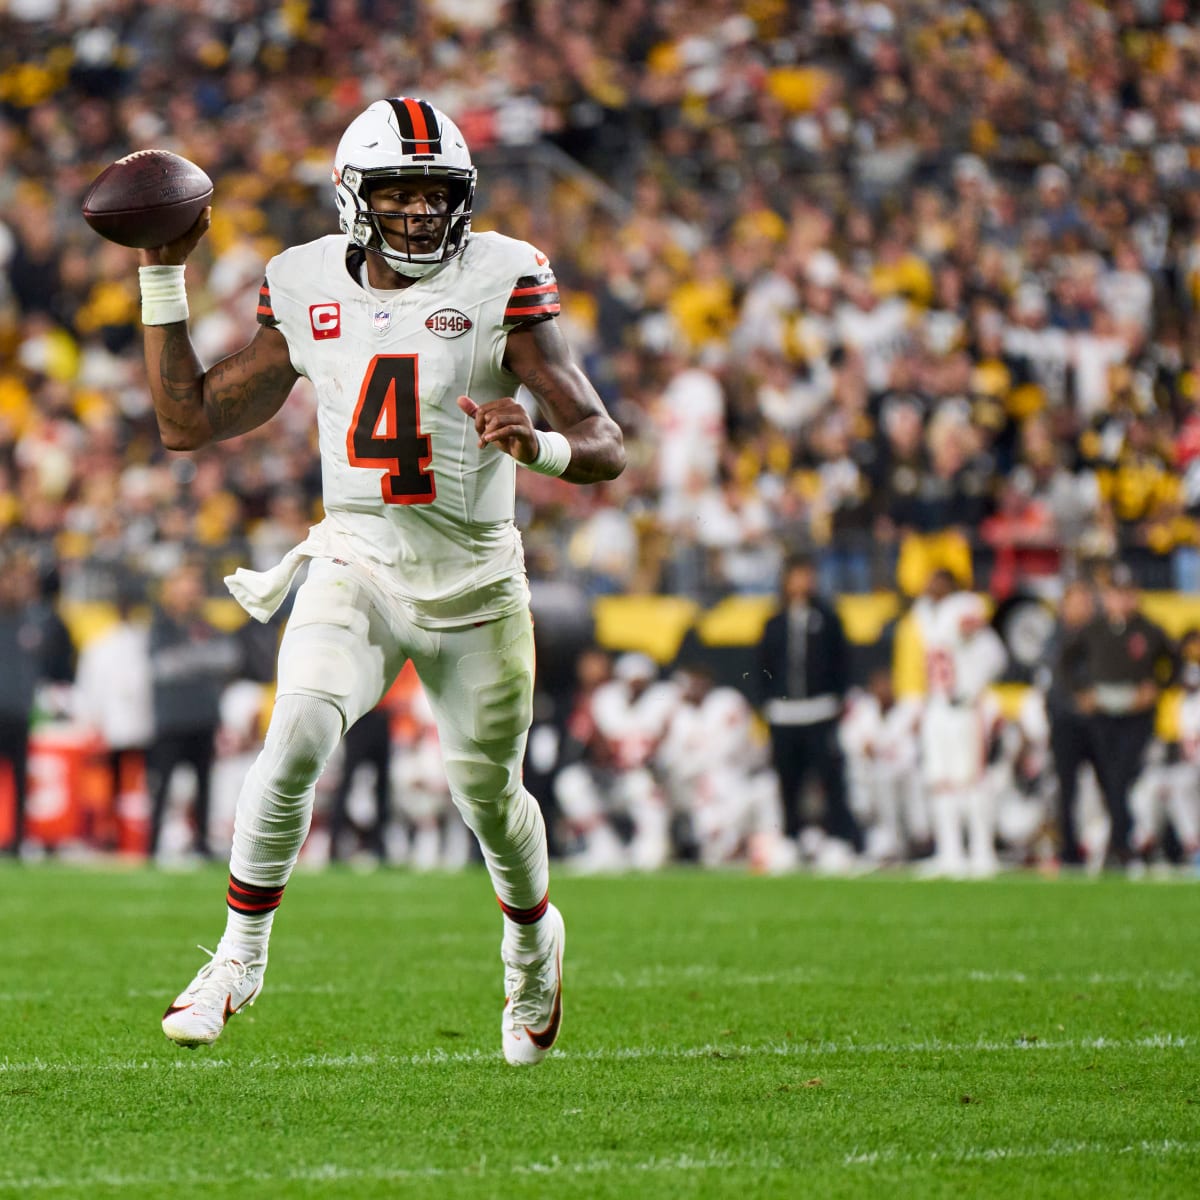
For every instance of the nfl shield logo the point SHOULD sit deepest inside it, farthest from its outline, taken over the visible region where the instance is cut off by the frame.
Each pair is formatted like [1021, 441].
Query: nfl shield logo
[383, 318]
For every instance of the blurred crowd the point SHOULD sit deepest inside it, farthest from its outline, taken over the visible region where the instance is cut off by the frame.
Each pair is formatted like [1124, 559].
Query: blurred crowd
[905, 283]
[908, 285]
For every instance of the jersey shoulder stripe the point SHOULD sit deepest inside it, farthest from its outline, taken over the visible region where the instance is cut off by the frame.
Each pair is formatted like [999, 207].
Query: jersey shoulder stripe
[266, 313]
[533, 298]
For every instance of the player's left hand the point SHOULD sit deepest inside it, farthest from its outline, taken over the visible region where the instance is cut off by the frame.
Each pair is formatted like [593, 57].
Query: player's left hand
[504, 424]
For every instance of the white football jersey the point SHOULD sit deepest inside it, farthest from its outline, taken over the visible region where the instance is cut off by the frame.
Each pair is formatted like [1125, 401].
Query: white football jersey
[716, 734]
[887, 738]
[633, 727]
[407, 490]
[963, 654]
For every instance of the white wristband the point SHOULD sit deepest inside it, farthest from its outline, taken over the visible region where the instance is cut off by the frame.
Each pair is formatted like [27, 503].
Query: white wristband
[164, 297]
[553, 456]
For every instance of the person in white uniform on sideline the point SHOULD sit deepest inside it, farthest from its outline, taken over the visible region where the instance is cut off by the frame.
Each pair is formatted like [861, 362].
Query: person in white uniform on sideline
[963, 657]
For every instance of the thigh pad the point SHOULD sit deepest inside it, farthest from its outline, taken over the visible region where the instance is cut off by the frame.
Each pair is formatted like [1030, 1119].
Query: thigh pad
[328, 649]
[497, 685]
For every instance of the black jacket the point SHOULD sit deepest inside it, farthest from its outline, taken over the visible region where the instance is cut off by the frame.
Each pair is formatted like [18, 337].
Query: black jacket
[1135, 652]
[826, 656]
[190, 664]
[1067, 672]
[35, 647]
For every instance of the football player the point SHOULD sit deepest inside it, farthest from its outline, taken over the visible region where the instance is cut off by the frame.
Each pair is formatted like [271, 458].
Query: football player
[878, 735]
[716, 763]
[630, 716]
[1022, 777]
[394, 321]
[963, 656]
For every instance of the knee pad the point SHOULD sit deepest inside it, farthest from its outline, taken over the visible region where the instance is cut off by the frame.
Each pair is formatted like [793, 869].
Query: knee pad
[500, 820]
[481, 780]
[303, 733]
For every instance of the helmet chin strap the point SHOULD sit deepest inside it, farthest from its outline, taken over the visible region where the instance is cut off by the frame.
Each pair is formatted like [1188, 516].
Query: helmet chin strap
[404, 266]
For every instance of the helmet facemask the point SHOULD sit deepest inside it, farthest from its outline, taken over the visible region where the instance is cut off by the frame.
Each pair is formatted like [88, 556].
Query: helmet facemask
[365, 228]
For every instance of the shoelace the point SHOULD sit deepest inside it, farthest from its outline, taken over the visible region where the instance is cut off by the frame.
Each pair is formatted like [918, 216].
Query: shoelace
[530, 978]
[216, 986]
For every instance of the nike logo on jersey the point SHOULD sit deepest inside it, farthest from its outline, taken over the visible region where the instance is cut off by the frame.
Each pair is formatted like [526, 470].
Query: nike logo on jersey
[448, 323]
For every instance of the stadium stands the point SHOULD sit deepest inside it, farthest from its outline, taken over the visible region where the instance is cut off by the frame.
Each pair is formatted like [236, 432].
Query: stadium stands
[904, 285]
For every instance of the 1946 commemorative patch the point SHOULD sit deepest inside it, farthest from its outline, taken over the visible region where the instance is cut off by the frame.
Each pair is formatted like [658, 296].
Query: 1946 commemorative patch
[448, 323]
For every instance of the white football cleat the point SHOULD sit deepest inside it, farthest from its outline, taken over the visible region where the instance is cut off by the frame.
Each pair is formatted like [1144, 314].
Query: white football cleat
[222, 987]
[532, 1013]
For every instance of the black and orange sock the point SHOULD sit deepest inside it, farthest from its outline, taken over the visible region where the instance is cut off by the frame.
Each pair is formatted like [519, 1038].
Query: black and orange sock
[249, 917]
[525, 916]
[250, 900]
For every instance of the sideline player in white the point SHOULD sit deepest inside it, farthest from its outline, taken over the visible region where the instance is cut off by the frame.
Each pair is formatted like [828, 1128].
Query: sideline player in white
[631, 714]
[718, 771]
[1022, 776]
[1183, 803]
[878, 734]
[963, 656]
[418, 556]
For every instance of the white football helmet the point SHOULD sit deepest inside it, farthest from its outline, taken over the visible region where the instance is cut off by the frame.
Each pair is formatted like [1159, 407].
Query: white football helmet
[404, 137]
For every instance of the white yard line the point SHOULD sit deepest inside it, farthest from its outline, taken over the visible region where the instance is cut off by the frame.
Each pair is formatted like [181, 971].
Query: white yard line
[716, 1050]
[696, 973]
[891, 1156]
[334, 1173]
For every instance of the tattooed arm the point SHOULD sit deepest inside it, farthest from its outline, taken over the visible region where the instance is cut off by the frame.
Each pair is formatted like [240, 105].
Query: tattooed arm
[539, 357]
[194, 406]
[240, 393]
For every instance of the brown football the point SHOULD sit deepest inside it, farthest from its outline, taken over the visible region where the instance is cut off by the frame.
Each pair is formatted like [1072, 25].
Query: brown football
[147, 198]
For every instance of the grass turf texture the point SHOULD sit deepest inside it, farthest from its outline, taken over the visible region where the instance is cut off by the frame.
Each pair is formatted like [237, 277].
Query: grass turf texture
[724, 1036]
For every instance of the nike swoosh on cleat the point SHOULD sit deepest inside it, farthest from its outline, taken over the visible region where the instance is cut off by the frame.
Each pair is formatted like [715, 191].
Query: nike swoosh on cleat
[229, 1009]
[543, 1039]
[172, 1009]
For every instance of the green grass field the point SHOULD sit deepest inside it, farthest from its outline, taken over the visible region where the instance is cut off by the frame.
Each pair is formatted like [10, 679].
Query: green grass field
[724, 1036]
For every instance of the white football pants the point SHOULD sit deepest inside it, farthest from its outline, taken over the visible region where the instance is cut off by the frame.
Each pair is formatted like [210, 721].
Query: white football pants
[345, 643]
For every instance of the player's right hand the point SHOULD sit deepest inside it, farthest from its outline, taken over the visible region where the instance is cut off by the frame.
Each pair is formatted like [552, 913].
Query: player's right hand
[176, 252]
